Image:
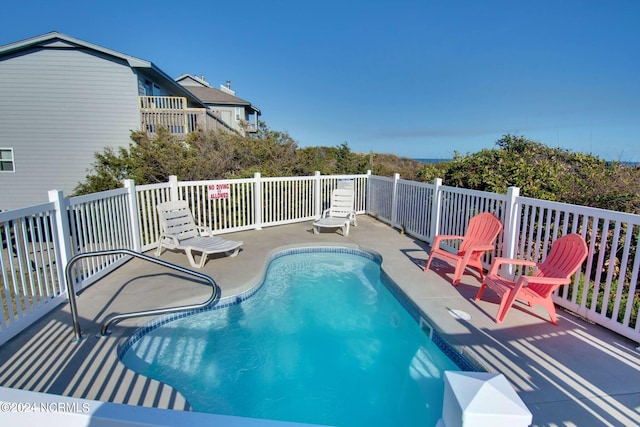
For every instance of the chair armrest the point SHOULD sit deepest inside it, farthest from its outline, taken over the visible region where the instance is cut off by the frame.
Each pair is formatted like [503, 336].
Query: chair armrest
[499, 261]
[552, 281]
[325, 213]
[204, 231]
[482, 247]
[174, 240]
[441, 237]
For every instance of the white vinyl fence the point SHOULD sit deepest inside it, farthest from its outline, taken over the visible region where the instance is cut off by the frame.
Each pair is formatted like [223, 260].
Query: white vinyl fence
[32, 282]
[244, 204]
[603, 291]
[37, 242]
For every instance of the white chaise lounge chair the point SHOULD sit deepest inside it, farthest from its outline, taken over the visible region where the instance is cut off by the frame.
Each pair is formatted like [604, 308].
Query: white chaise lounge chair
[179, 231]
[340, 214]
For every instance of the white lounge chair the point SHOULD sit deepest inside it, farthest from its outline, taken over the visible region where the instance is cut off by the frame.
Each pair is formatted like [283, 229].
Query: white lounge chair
[179, 231]
[340, 213]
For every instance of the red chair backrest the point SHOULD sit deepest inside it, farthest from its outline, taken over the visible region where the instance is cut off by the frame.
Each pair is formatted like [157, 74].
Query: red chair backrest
[483, 229]
[565, 257]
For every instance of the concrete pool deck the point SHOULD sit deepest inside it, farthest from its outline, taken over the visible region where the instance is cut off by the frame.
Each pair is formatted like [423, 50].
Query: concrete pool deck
[575, 373]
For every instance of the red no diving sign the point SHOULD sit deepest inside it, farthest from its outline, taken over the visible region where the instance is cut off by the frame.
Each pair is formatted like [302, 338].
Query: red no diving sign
[218, 191]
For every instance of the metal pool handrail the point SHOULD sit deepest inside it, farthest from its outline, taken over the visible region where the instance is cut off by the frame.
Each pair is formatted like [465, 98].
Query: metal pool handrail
[104, 330]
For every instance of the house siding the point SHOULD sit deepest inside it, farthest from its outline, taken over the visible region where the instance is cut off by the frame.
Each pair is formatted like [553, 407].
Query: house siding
[58, 107]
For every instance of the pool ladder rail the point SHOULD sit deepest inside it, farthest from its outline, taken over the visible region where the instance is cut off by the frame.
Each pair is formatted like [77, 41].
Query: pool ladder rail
[104, 330]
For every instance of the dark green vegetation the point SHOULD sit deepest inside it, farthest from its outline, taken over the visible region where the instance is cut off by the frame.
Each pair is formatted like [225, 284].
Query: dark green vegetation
[214, 155]
[540, 172]
[543, 173]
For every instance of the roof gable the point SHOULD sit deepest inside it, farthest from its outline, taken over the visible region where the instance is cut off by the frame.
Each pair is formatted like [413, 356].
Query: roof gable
[56, 40]
[59, 40]
[58, 43]
[189, 80]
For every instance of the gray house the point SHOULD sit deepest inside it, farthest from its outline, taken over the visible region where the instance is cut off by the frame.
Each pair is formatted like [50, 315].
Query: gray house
[63, 99]
[239, 114]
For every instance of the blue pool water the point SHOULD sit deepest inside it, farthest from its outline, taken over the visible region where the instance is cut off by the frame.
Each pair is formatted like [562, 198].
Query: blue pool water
[322, 341]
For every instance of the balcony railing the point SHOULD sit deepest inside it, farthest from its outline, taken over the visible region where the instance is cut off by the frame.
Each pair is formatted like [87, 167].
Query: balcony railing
[252, 127]
[38, 241]
[173, 114]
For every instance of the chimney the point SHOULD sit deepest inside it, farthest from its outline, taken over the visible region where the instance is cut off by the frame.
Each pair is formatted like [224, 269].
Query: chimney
[227, 88]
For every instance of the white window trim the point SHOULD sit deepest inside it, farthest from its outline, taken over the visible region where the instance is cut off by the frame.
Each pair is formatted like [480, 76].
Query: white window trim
[12, 160]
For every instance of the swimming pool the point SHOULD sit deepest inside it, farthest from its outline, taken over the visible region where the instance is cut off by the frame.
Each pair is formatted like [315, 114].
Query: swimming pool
[323, 340]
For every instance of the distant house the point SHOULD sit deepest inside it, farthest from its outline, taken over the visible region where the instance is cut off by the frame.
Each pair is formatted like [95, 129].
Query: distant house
[239, 114]
[63, 99]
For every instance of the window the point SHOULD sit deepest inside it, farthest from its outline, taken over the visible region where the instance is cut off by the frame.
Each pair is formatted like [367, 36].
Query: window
[148, 88]
[6, 160]
[151, 89]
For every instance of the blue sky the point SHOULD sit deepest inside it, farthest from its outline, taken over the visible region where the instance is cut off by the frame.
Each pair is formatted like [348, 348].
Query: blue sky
[421, 79]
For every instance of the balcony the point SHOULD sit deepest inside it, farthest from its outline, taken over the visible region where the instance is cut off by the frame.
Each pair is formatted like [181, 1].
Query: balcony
[173, 114]
[576, 373]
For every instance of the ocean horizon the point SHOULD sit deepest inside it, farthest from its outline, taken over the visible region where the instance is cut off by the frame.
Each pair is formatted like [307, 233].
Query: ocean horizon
[433, 160]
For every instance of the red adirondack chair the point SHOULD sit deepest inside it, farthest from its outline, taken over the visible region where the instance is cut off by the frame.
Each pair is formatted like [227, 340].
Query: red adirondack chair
[480, 237]
[565, 257]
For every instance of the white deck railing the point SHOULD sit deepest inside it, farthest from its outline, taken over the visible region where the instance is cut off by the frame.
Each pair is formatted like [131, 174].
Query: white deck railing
[38, 241]
[244, 204]
[32, 282]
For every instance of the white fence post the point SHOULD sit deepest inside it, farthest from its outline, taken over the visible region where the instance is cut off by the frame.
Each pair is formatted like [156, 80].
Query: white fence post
[368, 193]
[134, 220]
[394, 201]
[257, 198]
[63, 232]
[510, 235]
[173, 188]
[317, 207]
[436, 208]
